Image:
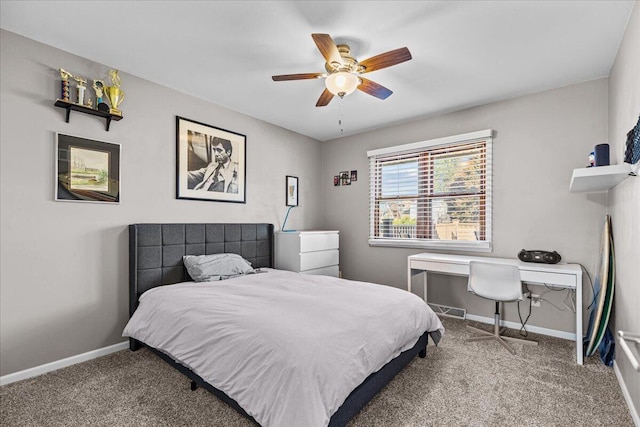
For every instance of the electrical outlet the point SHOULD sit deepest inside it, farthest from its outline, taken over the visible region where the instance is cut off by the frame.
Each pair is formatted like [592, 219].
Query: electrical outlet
[535, 300]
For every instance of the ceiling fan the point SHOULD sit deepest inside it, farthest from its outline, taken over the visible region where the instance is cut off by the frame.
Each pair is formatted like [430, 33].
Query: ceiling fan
[344, 72]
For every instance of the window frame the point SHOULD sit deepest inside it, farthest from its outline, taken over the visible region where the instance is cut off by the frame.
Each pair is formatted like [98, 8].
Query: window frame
[419, 148]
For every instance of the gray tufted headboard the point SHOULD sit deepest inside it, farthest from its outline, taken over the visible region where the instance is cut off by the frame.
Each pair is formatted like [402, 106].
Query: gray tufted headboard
[156, 250]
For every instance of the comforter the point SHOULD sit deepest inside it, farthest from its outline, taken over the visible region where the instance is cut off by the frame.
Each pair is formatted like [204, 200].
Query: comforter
[289, 348]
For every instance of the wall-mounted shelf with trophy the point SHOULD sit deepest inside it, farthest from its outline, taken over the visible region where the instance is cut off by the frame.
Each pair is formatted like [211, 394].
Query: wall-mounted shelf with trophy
[114, 94]
[70, 106]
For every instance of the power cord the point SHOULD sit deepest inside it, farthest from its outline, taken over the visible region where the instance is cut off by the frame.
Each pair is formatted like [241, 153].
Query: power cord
[593, 291]
[569, 302]
[523, 327]
[566, 307]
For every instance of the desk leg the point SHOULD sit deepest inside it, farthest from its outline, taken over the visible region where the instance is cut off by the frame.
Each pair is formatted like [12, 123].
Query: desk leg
[424, 284]
[579, 350]
[424, 278]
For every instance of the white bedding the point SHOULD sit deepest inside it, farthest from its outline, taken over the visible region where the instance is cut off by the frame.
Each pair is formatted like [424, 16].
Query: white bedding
[289, 352]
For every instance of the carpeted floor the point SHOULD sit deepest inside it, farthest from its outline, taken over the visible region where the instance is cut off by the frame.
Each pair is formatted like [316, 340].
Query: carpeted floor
[458, 384]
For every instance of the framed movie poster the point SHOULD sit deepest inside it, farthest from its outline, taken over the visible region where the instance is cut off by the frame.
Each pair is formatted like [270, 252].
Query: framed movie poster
[210, 163]
[86, 170]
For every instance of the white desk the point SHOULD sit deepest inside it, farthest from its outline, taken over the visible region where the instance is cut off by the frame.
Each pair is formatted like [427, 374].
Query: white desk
[557, 275]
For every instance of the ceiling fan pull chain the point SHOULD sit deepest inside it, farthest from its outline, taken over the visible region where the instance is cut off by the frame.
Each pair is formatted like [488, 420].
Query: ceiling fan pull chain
[340, 116]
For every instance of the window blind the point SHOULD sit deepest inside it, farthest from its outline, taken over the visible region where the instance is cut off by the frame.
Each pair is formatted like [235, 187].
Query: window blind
[432, 194]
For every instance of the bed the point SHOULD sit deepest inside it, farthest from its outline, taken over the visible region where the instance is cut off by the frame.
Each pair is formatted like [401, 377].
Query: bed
[163, 296]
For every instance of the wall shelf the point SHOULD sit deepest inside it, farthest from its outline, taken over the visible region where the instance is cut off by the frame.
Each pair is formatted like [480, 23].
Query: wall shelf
[70, 106]
[598, 178]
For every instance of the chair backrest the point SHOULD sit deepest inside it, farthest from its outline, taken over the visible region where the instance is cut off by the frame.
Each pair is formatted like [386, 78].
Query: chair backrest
[498, 282]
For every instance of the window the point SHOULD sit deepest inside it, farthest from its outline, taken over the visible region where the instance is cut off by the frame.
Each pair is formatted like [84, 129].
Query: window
[432, 194]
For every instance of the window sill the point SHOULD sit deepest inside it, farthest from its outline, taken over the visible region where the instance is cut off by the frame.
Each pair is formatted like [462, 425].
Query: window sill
[448, 245]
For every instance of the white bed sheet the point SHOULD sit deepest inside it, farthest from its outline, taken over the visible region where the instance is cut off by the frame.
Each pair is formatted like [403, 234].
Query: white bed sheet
[289, 348]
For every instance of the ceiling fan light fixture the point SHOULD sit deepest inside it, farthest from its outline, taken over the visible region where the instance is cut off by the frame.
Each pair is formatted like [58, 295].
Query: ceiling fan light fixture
[342, 83]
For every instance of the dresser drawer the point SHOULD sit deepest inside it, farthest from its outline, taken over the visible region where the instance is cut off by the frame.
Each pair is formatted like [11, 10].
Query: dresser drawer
[318, 241]
[311, 260]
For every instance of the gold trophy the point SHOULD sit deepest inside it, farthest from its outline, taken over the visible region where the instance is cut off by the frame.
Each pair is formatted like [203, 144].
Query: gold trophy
[115, 95]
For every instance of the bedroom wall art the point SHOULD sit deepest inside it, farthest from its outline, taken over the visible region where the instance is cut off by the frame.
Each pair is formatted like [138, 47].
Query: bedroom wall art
[86, 170]
[345, 178]
[211, 163]
[292, 190]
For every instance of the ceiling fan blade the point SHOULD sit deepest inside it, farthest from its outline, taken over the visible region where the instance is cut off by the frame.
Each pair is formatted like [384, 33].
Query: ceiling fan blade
[327, 48]
[374, 89]
[303, 76]
[324, 99]
[385, 60]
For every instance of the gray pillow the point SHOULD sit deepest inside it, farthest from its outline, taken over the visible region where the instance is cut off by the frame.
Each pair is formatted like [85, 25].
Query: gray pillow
[207, 268]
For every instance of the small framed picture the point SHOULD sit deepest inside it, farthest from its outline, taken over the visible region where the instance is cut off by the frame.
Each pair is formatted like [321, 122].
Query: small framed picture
[292, 190]
[211, 163]
[354, 176]
[345, 178]
[86, 170]
[336, 180]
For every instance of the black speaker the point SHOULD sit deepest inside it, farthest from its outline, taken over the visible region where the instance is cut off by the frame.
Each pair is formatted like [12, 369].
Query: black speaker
[544, 257]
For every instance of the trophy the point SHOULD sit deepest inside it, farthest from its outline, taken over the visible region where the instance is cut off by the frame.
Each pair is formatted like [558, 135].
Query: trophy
[98, 86]
[115, 95]
[81, 88]
[64, 84]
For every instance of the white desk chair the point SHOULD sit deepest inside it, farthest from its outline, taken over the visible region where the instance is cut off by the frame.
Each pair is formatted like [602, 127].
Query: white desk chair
[500, 283]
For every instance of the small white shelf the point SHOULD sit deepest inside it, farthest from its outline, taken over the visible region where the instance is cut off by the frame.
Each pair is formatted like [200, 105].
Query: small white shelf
[598, 178]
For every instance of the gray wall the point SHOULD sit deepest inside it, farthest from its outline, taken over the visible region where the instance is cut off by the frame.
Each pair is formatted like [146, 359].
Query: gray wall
[624, 199]
[63, 287]
[540, 139]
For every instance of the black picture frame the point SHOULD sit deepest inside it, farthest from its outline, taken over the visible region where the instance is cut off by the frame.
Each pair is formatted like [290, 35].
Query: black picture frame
[291, 191]
[210, 162]
[86, 170]
[345, 178]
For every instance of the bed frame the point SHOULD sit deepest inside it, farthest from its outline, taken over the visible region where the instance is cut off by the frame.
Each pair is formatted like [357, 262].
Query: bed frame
[155, 259]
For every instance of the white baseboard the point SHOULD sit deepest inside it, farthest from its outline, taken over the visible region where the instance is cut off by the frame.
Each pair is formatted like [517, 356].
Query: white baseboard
[63, 363]
[531, 328]
[627, 397]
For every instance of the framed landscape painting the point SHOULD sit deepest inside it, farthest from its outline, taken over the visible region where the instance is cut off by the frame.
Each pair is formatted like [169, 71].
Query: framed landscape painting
[211, 163]
[86, 170]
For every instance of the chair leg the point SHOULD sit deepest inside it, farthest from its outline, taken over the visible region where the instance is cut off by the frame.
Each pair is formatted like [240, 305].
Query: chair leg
[482, 338]
[497, 334]
[505, 345]
[480, 330]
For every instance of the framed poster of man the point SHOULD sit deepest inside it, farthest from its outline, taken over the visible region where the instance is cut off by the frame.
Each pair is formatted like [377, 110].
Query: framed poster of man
[211, 163]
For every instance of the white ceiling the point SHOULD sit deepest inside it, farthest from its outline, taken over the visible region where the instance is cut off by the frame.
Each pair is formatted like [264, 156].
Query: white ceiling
[465, 53]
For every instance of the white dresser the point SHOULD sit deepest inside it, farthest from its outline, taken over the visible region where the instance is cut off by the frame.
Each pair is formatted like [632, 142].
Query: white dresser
[309, 252]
